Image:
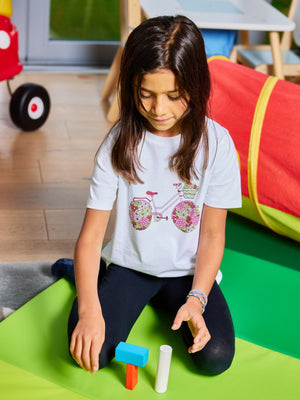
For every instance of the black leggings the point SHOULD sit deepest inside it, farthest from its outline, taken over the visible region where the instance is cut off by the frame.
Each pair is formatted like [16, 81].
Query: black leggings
[123, 294]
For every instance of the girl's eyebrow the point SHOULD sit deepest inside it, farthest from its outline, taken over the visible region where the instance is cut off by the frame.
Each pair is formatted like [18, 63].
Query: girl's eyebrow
[150, 91]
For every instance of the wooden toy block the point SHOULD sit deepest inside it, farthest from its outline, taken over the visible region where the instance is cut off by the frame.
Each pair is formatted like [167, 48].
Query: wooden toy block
[132, 354]
[131, 376]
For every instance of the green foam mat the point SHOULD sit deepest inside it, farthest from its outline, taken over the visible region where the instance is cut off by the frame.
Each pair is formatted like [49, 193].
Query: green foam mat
[17, 383]
[264, 301]
[251, 238]
[35, 355]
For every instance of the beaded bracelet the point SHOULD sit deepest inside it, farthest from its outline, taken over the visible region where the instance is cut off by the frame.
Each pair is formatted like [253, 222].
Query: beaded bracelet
[201, 297]
[200, 293]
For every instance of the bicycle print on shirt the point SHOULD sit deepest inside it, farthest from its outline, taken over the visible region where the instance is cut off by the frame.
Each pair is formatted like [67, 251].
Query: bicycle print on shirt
[185, 215]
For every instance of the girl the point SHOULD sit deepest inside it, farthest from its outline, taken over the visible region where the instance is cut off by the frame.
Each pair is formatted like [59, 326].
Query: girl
[173, 173]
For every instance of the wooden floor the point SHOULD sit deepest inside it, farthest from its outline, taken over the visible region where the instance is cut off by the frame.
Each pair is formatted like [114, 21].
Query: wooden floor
[44, 175]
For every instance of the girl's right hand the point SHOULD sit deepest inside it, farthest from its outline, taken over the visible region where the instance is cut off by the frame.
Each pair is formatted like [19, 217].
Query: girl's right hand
[87, 340]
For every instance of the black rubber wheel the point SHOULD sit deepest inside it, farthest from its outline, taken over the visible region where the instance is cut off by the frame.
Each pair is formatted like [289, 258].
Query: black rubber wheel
[29, 106]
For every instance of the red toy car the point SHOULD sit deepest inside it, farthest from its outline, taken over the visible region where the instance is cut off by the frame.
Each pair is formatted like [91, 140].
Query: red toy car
[30, 103]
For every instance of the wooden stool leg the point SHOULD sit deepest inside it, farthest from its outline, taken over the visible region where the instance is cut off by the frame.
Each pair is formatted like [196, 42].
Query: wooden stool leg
[245, 38]
[113, 76]
[276, 53]
[131, 17]
[113, 112]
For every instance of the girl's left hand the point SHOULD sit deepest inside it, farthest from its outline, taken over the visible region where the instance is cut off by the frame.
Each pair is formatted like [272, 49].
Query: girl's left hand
[191, 312]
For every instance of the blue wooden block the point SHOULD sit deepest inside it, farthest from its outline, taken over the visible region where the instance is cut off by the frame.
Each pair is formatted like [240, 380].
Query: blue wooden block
[132, 354]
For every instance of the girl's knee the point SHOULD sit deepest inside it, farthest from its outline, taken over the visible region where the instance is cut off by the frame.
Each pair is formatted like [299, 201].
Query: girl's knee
[104, 359]
[214, 358]
[107, 354]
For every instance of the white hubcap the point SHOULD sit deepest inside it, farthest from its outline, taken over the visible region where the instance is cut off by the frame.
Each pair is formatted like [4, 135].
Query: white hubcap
[35, 108]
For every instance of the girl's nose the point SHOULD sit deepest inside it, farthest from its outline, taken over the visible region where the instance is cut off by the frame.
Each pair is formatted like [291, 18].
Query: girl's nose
[158, 106]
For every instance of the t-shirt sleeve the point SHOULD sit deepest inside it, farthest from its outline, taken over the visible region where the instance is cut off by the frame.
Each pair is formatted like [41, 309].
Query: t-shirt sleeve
[104, 183]
[224, 189]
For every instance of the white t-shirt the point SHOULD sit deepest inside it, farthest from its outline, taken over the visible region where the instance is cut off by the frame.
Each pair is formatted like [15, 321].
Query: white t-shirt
[157, 222]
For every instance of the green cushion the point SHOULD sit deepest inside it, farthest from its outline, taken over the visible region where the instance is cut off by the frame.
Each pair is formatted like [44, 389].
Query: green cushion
[247, 237]
[264, 300]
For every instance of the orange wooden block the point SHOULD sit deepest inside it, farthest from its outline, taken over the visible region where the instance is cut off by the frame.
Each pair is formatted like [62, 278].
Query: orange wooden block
[131, 376]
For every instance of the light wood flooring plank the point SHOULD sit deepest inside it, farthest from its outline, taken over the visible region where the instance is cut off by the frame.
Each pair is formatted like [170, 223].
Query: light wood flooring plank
[20, 174]
[36, 250]
[22, 224]
[63, 195]
[64, 224]
[67, 166]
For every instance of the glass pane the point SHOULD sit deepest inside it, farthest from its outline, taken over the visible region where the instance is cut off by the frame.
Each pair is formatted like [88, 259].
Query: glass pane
[85, 20]
[282, 5]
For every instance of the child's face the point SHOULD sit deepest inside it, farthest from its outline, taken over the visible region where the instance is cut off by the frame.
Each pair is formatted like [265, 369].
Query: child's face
[162, 107]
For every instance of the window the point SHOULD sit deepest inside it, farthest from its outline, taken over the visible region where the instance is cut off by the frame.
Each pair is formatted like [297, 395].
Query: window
[56, 32]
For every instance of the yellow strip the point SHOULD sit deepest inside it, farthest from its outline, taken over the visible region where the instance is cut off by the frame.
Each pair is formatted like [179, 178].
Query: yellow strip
[254, 144]
[217, 58]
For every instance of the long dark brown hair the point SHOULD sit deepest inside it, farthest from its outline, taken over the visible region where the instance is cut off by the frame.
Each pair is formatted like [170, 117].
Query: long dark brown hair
[173, 43]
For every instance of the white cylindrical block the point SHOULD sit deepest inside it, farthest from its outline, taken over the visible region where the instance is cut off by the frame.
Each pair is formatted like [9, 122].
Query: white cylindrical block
[163, 368]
